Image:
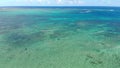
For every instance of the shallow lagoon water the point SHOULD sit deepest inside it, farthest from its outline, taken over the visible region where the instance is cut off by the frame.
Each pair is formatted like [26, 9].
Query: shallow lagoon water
[59, 38]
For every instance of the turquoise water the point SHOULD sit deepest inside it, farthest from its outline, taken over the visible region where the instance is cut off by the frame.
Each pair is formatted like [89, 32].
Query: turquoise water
[59, 38]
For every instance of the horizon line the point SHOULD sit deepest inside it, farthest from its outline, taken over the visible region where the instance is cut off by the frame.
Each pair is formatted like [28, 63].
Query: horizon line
[58, 6]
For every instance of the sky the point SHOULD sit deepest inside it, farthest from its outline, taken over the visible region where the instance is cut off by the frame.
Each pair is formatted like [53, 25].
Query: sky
[59, 2]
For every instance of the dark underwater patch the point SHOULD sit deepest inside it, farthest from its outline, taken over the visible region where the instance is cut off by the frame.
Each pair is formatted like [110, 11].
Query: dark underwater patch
[58, 34]
[17, 40]
[21, 39]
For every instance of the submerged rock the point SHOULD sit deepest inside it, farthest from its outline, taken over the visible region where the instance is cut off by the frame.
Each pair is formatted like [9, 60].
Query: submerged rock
[94, 59]
[59, 34]
[16, 39]
[21, 39]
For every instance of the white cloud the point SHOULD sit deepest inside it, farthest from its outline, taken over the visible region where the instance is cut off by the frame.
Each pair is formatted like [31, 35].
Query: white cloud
[40, 1]
[70, 2]
[76, 2]
[31, 0]
[80, 2]
[59, 2]
[48, 2]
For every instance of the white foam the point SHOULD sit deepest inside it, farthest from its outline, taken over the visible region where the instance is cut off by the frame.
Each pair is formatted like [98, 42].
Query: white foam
[85, 11]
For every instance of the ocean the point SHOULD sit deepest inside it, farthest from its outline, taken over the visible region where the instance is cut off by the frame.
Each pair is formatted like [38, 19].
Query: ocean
[59, 37]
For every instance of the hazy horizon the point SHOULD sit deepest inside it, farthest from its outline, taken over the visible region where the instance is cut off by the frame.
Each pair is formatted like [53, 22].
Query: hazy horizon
[59, 3]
